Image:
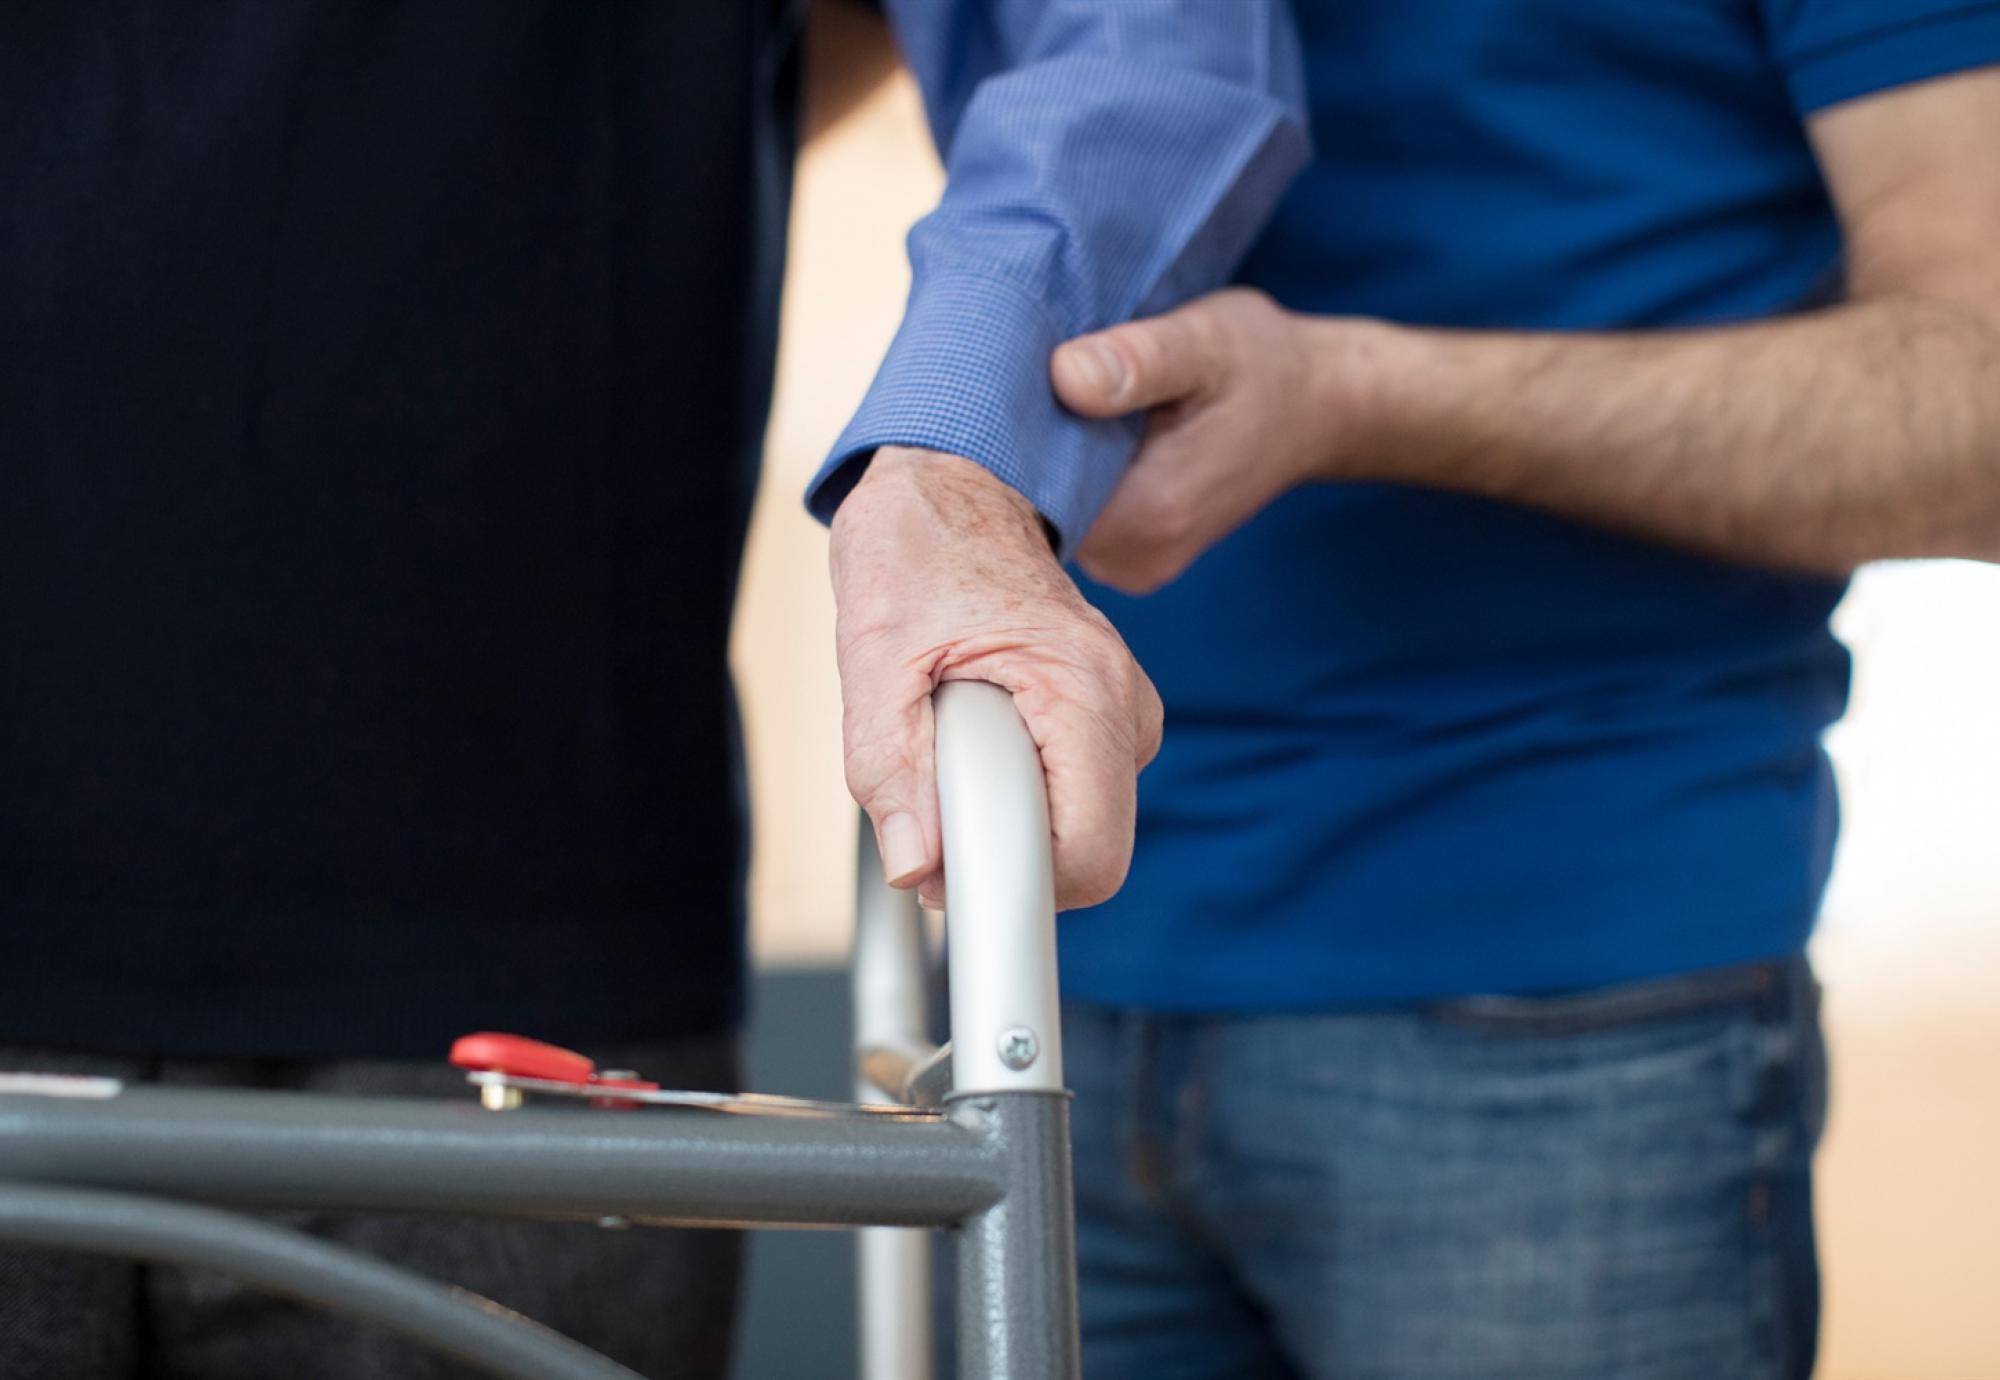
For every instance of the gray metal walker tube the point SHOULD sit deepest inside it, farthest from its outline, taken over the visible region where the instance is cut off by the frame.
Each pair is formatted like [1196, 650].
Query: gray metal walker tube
[449, 1321]
[395, 1154]
[1016, 1306]
[995, 1164]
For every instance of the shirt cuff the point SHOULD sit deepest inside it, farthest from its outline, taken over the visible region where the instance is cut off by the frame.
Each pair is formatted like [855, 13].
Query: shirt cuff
[968, 374]
[1914, 48]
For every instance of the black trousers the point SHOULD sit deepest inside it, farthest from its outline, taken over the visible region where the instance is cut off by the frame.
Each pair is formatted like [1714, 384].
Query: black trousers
[660, 1301]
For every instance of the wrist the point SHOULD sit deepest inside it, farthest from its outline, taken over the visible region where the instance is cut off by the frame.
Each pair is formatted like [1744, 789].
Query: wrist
[1368, 383]
[958, 495]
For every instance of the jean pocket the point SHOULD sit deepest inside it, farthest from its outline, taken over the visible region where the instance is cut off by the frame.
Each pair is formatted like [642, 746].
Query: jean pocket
[1618, 1006]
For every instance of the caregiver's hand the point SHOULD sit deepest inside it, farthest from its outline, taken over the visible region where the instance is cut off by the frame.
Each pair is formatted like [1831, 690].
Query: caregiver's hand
[941, 572]
[1247, 400]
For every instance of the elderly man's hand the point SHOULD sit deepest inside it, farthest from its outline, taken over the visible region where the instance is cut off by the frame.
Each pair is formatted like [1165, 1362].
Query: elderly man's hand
[941, 572]
[1247, 400]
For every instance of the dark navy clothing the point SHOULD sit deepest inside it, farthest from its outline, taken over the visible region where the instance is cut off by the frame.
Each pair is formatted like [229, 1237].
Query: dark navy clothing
[1420, 744]
[381, 387]
[662, 1301]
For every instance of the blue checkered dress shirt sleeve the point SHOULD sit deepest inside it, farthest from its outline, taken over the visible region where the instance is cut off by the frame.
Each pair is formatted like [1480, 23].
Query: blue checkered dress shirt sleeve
[1104, 159]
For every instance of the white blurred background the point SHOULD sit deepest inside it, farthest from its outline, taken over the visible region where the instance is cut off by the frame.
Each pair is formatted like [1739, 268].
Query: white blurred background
[1910, 945]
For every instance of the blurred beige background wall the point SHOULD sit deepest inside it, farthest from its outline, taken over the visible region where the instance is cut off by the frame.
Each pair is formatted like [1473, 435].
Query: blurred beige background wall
[1910, 947]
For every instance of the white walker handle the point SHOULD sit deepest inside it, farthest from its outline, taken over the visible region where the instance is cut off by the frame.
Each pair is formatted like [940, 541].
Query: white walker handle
[1000, 916]
[1005, 1034]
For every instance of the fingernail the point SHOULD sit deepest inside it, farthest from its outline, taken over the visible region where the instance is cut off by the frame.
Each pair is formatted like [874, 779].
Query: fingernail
[902, 847]
[1105, 367]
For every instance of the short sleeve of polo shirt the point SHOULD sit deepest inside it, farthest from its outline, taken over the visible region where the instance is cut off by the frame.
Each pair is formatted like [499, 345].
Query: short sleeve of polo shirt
[1835, 50]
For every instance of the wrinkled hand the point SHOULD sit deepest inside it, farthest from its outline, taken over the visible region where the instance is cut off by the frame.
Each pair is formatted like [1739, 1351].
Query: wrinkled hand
[1246, 400]
[941, 572]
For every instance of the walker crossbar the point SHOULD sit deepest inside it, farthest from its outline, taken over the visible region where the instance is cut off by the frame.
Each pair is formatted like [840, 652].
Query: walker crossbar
[992, 1164]
[272, 1149]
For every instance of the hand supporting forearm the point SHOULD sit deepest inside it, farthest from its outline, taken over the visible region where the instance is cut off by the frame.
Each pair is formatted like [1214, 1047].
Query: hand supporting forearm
[1814, 442]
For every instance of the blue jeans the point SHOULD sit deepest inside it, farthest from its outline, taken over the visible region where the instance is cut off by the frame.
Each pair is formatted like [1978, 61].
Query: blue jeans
[1612, 1185]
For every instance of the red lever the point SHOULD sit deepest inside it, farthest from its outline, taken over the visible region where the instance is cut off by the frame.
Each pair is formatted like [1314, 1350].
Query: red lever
[516, 1055]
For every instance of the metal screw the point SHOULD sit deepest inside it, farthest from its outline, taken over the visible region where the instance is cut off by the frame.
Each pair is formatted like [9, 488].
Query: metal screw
[1019, 1047]
[498, 1097]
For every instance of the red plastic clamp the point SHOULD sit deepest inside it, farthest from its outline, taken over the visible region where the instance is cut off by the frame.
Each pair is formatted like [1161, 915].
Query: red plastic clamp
[516, 1056]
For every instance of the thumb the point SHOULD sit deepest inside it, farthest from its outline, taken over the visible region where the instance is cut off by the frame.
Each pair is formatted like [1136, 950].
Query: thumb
[1138, 365]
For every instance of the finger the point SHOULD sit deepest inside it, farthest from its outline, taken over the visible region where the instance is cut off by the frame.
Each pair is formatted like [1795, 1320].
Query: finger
[888, 730]
[1093, 803]
[1138, 365]
[1131, 566]
[1148, 531]
[1137, 574]
[1089, 758]
[1151, 714]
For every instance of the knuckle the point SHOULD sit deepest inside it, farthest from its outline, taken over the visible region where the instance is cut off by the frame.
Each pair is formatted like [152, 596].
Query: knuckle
[1191, 335]
[1105, 545]
[1128, 578]
[872, 760]
[1248, 305]
[1146, 350]
[1150, 714]
[1094, 883]
[1112, 666]
[1160, 512]
[1252, 298]
[1137, 340]
[1099, 566]
[1140, 576]
[864, 779]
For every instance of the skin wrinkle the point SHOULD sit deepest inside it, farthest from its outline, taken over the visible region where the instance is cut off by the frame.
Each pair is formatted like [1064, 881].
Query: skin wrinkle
[942, 573]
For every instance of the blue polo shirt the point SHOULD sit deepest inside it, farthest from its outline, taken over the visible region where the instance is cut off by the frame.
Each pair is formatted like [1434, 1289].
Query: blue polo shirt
[1421, 744]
